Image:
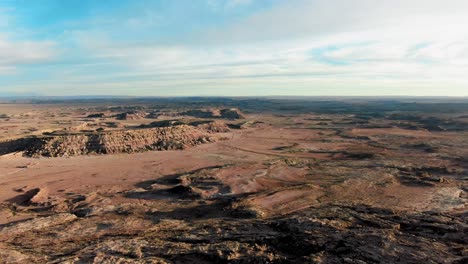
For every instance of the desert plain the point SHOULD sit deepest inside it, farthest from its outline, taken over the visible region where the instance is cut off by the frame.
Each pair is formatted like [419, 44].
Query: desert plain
[234, 180]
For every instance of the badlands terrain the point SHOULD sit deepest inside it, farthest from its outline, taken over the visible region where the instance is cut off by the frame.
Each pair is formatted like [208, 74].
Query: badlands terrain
[234, 180]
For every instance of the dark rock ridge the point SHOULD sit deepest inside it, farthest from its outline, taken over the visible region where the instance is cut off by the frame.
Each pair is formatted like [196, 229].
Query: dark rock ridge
[128, 141]
[164, 123]
[98, 115]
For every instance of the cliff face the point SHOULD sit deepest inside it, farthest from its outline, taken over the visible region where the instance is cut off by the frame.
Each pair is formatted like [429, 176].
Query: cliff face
[164, 138]
[16, 145]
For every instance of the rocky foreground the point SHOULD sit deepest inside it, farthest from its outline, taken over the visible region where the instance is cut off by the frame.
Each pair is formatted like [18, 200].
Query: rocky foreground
[213, 231]
[201, 217]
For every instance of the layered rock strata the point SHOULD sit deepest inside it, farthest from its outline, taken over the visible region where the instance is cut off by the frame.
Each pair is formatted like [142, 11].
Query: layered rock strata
[128, 141]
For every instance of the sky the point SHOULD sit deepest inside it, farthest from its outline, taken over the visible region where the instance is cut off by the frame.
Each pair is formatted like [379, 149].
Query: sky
[234, 47]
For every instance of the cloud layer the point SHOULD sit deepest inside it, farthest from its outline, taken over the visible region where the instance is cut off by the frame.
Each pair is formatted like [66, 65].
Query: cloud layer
[239, 47]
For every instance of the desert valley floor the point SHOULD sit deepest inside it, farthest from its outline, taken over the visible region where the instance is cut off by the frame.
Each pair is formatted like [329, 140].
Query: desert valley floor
[209, 180]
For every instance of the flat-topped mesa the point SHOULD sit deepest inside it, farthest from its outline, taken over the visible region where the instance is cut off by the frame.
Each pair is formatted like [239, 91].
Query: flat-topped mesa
[127, 141]
[227, 113]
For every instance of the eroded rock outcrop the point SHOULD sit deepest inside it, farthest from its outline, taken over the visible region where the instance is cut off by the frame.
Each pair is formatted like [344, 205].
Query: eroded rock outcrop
[127, 141]
[164, 138]
[213, 126]
[232, 113]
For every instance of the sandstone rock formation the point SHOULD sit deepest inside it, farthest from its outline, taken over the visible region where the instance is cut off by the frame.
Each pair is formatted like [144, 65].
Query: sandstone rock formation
[212, 126]
[131, 115]
[32, 196]
[127, 141]
[232, 113]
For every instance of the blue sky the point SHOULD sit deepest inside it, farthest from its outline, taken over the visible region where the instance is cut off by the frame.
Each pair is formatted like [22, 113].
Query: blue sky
[234, 47]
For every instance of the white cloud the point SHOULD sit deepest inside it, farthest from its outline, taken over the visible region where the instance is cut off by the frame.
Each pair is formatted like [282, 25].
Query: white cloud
[358, 47]
[16, 53]
[319, 18]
